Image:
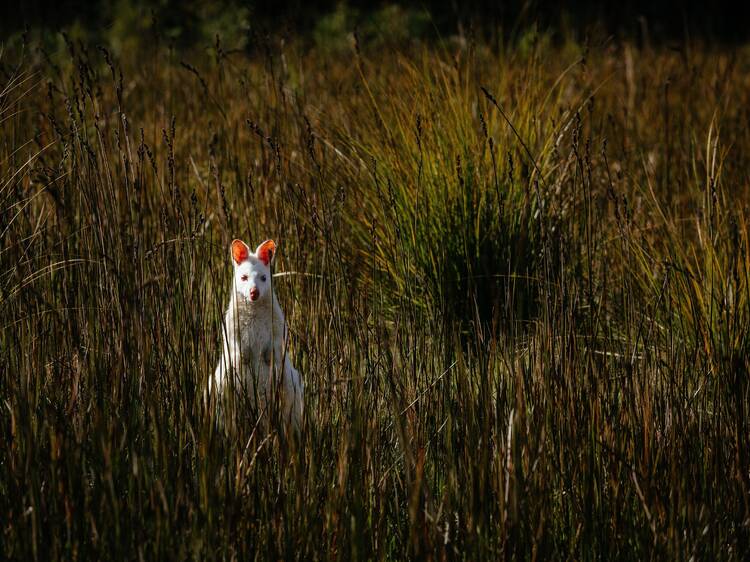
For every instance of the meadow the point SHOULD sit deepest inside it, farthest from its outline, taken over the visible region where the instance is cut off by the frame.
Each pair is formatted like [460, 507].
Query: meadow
[516, 279]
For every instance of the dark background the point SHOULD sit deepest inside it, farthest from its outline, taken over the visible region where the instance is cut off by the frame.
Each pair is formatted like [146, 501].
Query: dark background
[667, 21]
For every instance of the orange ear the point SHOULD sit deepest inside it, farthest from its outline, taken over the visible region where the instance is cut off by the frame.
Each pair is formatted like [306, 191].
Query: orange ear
[266, 251]
[240, 251]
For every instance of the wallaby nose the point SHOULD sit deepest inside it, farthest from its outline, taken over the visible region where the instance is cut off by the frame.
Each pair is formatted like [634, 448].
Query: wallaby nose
[254, 294]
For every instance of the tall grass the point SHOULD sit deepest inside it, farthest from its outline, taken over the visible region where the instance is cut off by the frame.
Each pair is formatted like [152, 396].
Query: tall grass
[517, 287]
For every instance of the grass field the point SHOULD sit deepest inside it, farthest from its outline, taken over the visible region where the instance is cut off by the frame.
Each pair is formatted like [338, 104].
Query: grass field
[517, 283]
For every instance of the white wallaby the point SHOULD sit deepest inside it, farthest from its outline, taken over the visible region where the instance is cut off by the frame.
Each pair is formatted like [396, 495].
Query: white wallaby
[255, 337]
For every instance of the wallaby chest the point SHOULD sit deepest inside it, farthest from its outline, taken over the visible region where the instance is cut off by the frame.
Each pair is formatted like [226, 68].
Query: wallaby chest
[260, 333]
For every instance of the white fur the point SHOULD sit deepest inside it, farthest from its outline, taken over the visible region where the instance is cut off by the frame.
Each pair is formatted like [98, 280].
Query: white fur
[252, 329]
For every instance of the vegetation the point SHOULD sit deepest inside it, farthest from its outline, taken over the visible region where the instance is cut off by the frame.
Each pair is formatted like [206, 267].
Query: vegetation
[517, 282]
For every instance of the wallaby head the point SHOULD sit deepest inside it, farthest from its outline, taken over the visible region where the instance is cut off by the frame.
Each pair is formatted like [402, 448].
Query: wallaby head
[252, 271]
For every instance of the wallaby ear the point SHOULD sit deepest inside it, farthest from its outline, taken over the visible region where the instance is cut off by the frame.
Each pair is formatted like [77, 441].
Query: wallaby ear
[240, 251]
[266, 251]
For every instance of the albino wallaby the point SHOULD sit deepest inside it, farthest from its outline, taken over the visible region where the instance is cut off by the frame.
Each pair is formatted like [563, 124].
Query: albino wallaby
[255, 337]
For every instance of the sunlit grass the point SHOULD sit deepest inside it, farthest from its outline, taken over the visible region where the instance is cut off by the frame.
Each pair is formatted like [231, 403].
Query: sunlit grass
[517, 291]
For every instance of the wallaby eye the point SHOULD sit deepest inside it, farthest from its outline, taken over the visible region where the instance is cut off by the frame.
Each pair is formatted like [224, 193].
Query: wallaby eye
[263, 278]
[244, 277]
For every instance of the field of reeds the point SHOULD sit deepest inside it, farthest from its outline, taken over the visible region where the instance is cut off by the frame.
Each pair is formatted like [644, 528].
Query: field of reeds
[517, 282]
